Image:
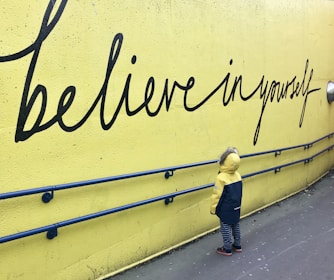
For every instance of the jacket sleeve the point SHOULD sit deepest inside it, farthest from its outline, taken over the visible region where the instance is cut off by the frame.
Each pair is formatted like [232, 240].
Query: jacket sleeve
[216, 194]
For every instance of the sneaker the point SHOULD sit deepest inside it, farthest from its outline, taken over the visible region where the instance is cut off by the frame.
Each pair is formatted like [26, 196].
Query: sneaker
[236, 248]
[223, 251]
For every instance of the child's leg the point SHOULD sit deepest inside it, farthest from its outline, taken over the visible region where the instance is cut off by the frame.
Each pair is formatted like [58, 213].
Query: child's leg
[236, 234]
[226, 231]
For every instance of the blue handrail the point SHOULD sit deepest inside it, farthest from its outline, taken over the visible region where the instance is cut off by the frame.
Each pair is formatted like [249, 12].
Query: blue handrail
[169, 171]
[99, 180]
[279, 167]
[278, 151]
[52, 230]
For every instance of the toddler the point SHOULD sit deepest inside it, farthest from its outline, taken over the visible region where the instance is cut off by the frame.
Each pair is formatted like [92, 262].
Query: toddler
[226, 201]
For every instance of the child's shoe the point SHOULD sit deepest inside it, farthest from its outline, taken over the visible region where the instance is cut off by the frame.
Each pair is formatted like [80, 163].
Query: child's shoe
[223, 251]
[236, 248]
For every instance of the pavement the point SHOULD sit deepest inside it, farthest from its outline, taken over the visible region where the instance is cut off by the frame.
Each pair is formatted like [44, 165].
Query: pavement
[293, 239]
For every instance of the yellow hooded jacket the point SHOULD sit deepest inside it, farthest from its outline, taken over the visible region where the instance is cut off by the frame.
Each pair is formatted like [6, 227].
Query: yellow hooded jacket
[227, 191]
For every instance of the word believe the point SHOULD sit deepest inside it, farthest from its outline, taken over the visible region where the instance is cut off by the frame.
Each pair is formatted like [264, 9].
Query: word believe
[268, 91]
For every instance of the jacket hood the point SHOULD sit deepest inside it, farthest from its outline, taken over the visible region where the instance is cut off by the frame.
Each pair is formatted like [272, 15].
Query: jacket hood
[231, 163]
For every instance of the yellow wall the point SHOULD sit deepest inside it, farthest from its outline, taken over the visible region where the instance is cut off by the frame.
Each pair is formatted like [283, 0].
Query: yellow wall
[120, 59]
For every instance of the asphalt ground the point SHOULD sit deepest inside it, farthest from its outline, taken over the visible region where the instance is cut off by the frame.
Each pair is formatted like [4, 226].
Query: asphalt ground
[293, 239]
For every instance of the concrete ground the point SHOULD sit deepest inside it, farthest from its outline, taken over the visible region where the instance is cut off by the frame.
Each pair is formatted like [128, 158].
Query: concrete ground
[293, 239]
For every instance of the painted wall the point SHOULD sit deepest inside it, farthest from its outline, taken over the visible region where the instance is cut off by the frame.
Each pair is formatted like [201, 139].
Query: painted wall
[90, 89]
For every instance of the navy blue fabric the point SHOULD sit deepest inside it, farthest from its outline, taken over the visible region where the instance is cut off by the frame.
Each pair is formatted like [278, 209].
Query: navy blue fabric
[228, 208]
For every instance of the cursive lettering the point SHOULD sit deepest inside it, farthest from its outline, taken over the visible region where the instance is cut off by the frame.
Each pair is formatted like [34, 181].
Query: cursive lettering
[268, 91]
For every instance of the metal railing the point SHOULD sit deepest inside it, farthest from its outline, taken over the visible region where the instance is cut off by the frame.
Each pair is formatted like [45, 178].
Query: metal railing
[52, 230]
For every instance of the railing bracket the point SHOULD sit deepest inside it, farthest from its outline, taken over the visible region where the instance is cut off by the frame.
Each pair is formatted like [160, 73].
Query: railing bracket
[277, 153]
[169, 200]
[47, 197]
[52, 233]
[277, 170]
[169, 173]
[308, 160]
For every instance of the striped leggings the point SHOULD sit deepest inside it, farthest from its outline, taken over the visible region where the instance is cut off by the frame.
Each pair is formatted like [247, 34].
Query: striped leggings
[227, 232]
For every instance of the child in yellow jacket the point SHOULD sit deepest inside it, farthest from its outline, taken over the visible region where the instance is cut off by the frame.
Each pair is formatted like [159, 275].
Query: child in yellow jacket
[226, 201]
